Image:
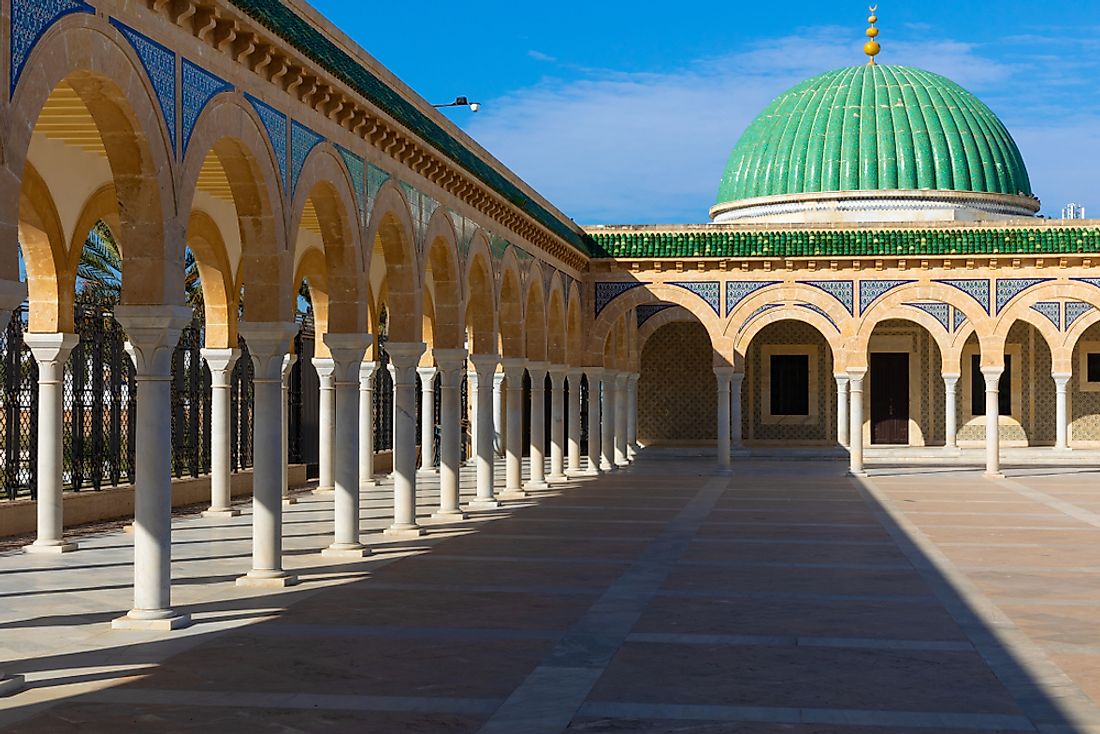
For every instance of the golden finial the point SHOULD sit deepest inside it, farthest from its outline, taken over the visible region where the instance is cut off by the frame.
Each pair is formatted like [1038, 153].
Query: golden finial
[871, 48]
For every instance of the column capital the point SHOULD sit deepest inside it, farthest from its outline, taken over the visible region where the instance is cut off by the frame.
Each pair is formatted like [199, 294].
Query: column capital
[513, 366]
[538, 371]
[289, 359]
[152, 333]
[724, 371]
[449, 359]
[220, 360]
[347, 350]
[405, 355]
[558, 373]
[841, 379]
[595, 372]
[485, 365]
[427, 374]
[1061, 378]
[267, 342]
[50, 347]
[992, 374]
[856, 374]
[366, 373]
[574, 372]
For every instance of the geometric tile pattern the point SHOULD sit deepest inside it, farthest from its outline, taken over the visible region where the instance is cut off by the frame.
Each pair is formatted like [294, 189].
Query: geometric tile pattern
[1009, 288]
[358, 170]
[820, 311]
[960, 318]
[160, 65]
[376, 177]
[841, 290]
[739, 290]
[870, 290]
[648, 310]
[1075, 310]
[199, 86]
[30, 19]
[937, 310]
[607, 292]
[976, 288]
[1052, 310]
[302, 142]
[709, 291]
[275, 124]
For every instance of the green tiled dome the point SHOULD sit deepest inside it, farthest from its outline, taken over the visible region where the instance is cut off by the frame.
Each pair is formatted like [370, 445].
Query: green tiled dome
[874, 128]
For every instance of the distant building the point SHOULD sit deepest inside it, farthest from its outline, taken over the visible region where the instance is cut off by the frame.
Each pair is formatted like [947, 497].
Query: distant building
[1073, 210]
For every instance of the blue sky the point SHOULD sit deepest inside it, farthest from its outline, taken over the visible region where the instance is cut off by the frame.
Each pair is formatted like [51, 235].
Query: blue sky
[626, 112]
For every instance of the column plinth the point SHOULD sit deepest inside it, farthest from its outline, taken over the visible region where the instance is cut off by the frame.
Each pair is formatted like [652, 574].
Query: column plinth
[50, 352]
[153, 332]
[267, 345]
[404, 357]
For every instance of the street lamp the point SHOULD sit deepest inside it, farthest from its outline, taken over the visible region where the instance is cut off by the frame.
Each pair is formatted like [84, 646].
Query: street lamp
[461, 102]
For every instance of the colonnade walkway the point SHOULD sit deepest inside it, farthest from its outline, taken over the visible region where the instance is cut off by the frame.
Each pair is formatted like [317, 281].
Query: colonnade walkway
[786, 597]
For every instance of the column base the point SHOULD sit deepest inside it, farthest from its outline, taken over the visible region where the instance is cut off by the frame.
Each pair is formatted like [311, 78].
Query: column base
[513, 494]
[1062, 449]
[267, 580]
[724, 471]
[221, 512]
[128, 528]
[404, 532]
[289, 500]
[449, 515]
[607, 468]
[536, 485]
[368, 484]
[11, 684]
[432, 472]
[346, 550]
[557, 478]
[150, 621]
[993, 475]
[859, 473]
[952, 450]
[742, 452]
[622, 464]
[476, 505]
[324, 490]
[50, 549]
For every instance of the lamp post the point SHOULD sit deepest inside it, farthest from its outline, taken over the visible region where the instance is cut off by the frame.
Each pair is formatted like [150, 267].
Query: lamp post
[461, 102]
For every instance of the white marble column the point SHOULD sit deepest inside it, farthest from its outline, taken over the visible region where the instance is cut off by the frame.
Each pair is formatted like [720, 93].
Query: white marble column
[326, 423]
[1061, 419]
[404, 357]
[950, 408]
[724, 376]
[557, 424]
[855, 431]
[50, 351]
[513, 441]
[992, 377]
[621, 387]
[220, 362]
[841, 409]
[366, 424]
[595, 428]
[498, 413]
[484, 429]
[12, 294]
[427, 420]
[284, 452]
[574, 428]
[737, 379]
[607, 425]
[347, 356]
[471, 414]
[632, 414]
[452, 366]
[538, 425]
[267, 345]
[153, 332]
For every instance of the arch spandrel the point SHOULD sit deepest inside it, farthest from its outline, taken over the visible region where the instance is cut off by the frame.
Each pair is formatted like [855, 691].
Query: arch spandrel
[781, 302]
[83, 52]
[652, 293]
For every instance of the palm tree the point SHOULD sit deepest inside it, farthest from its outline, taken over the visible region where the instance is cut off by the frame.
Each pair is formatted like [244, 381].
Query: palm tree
[99, 273]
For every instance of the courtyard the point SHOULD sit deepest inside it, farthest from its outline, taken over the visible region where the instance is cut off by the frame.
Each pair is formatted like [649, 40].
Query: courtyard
[786, 597]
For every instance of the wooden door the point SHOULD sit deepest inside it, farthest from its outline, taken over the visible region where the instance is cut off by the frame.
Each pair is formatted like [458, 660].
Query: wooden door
[889, 398]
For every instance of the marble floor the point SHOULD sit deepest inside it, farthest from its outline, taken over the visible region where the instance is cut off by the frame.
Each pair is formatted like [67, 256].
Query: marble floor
[787, 597]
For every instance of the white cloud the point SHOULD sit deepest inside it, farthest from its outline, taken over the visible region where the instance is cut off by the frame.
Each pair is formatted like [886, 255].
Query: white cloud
[650, 147]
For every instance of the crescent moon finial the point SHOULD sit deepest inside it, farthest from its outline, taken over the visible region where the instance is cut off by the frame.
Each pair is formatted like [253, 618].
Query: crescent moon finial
[872, 47]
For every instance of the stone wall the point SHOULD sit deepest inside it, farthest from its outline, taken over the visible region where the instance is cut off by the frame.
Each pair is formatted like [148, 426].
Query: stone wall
[677, 398]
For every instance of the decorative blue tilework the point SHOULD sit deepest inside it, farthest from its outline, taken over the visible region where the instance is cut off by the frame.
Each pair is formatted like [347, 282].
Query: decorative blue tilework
[976, 288]
[1009, 288]
[357, 169]
[937, 310]
[30, 19]
[275, 124]
[872, 290]
[608, 292]
[160, 65]
[1052, 310]
[648, 310]
[820, 311]
[376, 177]
[757, 312]
[841, 290]
[1075, 310]
[739, 290]
[709, 290]
[498, 246]
[198, 88]
[960, 318]
[302, 142]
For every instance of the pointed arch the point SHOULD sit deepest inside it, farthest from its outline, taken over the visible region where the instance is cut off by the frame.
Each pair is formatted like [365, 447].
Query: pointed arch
[391, 236]
[442, 278]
